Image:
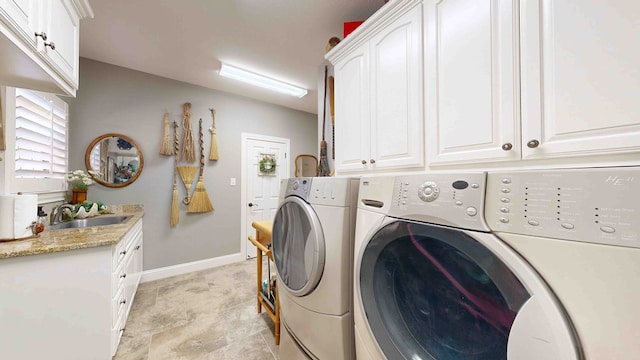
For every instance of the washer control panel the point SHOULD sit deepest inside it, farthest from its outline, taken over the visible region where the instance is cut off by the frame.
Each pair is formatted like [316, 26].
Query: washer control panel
[444, 199]
[598, 205]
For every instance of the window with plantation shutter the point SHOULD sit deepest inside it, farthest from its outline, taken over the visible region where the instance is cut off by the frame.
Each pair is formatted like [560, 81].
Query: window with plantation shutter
[41, 136]
[38, 123]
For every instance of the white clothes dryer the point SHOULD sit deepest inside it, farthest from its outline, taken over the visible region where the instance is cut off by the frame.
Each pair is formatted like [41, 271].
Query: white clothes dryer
[432, 281]
[312, 238]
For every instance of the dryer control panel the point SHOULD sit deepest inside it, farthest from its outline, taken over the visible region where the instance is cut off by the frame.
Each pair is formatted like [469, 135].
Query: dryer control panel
[597, 205]
[300, 187]
[445, 199]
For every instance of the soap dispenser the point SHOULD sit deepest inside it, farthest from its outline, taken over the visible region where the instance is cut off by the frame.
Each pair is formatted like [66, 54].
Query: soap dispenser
[42, 220]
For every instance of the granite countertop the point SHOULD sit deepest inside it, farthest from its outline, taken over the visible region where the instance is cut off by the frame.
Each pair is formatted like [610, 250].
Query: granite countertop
[50, 241]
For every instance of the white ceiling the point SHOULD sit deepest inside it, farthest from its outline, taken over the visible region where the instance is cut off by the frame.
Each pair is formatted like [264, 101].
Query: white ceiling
[186, 40]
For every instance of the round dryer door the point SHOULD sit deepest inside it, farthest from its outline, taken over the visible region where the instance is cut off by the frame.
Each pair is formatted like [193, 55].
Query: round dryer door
[432, 292]
[298, 246]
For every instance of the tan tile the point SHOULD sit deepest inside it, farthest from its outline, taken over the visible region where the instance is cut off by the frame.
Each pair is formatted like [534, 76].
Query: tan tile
[153, 319]
[250, 348]
[243, 321]
[194, 340]
[133, 347]
[145, 297]
[269, 338]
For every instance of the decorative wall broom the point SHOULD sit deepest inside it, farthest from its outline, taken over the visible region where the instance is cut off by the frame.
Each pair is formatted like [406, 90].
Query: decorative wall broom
[200, 202]
[175, 205]
[323, 167]
[166, 148]
[213, 153]
[188, 150]
[333, 118]
[187, 174]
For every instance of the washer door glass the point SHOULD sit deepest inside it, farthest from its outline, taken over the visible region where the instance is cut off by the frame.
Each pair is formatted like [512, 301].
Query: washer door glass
[431, 292]
[298, 246]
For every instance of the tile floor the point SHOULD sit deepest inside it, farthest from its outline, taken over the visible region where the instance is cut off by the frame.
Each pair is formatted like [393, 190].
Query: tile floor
[204, 315]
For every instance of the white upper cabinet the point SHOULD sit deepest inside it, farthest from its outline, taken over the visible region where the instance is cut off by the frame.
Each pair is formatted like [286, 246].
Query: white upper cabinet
[353, 143]
[20, 15]
[39, 42]
[378, 92]
[547, 79]
[580, 77]
[471, 80]
[62, 27]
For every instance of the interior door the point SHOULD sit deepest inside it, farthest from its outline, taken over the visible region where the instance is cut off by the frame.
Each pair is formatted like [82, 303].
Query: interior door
[262, 189]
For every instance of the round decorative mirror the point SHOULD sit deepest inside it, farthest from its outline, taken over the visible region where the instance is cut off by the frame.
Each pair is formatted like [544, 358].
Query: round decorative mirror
[115, 160]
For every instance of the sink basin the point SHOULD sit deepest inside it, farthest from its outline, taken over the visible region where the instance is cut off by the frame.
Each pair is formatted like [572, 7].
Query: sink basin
[96, 221]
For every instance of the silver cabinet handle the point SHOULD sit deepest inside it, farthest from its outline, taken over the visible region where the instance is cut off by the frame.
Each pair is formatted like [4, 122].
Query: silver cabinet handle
[51, 45]
[43, 35]
[364, 162]
[372, 161]
[507, 146]
[533, 144]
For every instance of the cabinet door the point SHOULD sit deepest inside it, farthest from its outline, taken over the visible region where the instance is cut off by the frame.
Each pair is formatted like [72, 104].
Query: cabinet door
[62, 27]
[352, 111]
[580, 78]
[397, 129]
[20, 16]
[472, 81]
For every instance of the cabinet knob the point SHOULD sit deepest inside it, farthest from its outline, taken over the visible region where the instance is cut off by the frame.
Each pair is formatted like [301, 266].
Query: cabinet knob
[43, 35]
[124, 252]
[507, 146]
[123, 276]
[533, 144]
[123, 301]
[372, 161]
[137, 247]
[51, 45]
[364, 162]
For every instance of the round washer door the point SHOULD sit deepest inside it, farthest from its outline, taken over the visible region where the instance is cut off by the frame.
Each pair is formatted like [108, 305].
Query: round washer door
[432, 292]
[298, 246]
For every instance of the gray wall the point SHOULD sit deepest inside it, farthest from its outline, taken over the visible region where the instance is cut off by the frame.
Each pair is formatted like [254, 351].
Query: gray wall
[119, 100]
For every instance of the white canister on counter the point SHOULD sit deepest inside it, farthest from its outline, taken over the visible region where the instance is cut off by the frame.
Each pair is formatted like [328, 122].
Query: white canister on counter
[18, 212]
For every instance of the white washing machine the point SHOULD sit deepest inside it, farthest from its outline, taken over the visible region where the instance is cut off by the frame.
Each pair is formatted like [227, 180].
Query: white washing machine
[313, 234]
[550, 274]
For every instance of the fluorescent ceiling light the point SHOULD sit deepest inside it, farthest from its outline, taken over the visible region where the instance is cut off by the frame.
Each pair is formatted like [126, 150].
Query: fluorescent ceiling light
[233, 72]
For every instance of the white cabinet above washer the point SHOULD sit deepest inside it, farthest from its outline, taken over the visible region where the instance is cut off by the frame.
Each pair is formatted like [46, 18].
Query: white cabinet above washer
[378, 92]
[539, 80]
[39, 44]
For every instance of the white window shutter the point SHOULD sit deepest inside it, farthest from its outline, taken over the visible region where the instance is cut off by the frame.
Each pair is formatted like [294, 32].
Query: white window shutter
[41, 136]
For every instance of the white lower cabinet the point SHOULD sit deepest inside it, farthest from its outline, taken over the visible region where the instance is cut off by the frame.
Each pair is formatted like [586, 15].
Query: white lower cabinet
[540, 79]
[71, 304]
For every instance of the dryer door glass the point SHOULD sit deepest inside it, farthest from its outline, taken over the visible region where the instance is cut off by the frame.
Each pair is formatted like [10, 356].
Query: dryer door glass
[432, 292]
[298, 246]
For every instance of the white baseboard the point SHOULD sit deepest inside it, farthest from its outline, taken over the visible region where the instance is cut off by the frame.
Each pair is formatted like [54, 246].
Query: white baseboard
[168, 271]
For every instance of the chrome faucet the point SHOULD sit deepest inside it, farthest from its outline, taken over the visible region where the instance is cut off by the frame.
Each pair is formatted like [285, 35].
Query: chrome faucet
[56, 213]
